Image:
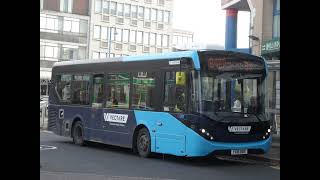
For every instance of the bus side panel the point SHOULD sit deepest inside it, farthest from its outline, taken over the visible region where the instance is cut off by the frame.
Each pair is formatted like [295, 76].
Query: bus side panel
[53, 120]
[114, 130]
[72, 113]
[167, 133]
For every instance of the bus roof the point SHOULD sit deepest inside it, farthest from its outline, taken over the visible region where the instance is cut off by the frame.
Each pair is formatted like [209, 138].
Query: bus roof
[193, 54]
[145, 57]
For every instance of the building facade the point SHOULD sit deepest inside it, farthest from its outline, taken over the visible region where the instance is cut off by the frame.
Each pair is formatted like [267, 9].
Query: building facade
[264, 40]
[93, 29]
[130, 27]
[182, 39]
[64, 34]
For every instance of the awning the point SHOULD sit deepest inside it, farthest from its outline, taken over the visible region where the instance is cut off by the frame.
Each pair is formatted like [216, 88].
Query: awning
[45, 75]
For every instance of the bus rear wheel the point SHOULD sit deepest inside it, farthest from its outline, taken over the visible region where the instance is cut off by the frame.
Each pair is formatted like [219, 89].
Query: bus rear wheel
[144, 143]
[77, 133]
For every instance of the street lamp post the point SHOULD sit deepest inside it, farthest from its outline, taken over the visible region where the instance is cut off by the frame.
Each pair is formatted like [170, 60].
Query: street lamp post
[255, 38]
[110, 33]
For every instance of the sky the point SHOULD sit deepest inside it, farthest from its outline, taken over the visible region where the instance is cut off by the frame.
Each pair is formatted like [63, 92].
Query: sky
[206, 19]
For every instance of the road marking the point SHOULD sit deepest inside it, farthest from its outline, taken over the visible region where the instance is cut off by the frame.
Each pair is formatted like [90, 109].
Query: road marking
[45, 147]
[77, 175]
[275, 167]
[45, 131]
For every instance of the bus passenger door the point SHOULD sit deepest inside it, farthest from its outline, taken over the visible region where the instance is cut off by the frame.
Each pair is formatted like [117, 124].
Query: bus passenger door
[169, 134]
[98, 101]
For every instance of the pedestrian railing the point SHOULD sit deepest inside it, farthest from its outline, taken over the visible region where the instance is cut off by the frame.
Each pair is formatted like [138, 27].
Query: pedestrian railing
[43, 117]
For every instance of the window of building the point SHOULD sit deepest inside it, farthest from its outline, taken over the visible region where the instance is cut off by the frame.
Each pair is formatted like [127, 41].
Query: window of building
[98, 90]
[71, 25]
[125, 35]
[118, 35]
[144, 91]
[152, 39]
[159, 40]
[48, 23]
[118, 88]
[146, 38]
[96, 32]
[175, 40]
[127, 10]
[179, 39]
[97, 6]
[189, 39]
[134, 11]
[161, 2]
[165, 40]
[113, 34]
[113, 8]
[120, 9]
[103, 55]
[82, 52]
[153, 14]
[66, 6]
[95, 55]
[63, 87]
[52, 23]
[106, 6]
[133, 36]
[83, 26]
[166, 16]
[41, 51]
[175, 92]
[80, 89]
[141, 12]
[104, 33]
[147, 14]
[184, 40]
[139, 37]
[160, 16]
[51, 51]
[69, 52]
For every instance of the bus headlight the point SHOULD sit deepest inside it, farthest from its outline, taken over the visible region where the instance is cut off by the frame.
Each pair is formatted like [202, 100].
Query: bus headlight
[206, 134]
[269, 130]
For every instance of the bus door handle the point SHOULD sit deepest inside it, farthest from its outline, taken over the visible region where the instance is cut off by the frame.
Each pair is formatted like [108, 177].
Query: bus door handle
[159, 123]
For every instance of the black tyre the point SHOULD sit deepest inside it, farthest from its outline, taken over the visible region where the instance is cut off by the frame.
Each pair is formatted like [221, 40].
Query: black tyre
[77, 134]
[144, 143]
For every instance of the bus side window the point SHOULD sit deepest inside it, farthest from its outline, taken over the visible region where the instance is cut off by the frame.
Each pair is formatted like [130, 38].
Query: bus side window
[63, 87]
[144, 89]
[98, 90]
[118, 88]
[80, 89]
[175, 92]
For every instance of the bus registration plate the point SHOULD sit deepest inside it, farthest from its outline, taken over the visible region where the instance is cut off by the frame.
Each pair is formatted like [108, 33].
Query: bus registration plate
[239, 151]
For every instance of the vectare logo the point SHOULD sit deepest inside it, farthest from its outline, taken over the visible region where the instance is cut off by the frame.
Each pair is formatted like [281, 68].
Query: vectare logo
[112, 117]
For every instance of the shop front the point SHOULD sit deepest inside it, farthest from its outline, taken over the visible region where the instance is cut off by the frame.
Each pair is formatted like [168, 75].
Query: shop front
[271, 52]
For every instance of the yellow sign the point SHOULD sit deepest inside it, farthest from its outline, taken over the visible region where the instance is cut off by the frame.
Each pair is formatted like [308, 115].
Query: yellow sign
[180, 78]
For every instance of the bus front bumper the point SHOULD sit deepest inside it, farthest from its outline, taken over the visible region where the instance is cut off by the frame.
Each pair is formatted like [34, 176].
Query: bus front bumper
[206, 148]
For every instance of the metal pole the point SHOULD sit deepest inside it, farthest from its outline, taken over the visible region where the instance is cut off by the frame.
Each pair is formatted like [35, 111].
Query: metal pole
[42, 115]
[109, 50]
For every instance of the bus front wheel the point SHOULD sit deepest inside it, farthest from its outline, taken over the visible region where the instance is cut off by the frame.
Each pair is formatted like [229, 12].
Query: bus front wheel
[77, 134]
[144, 143]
